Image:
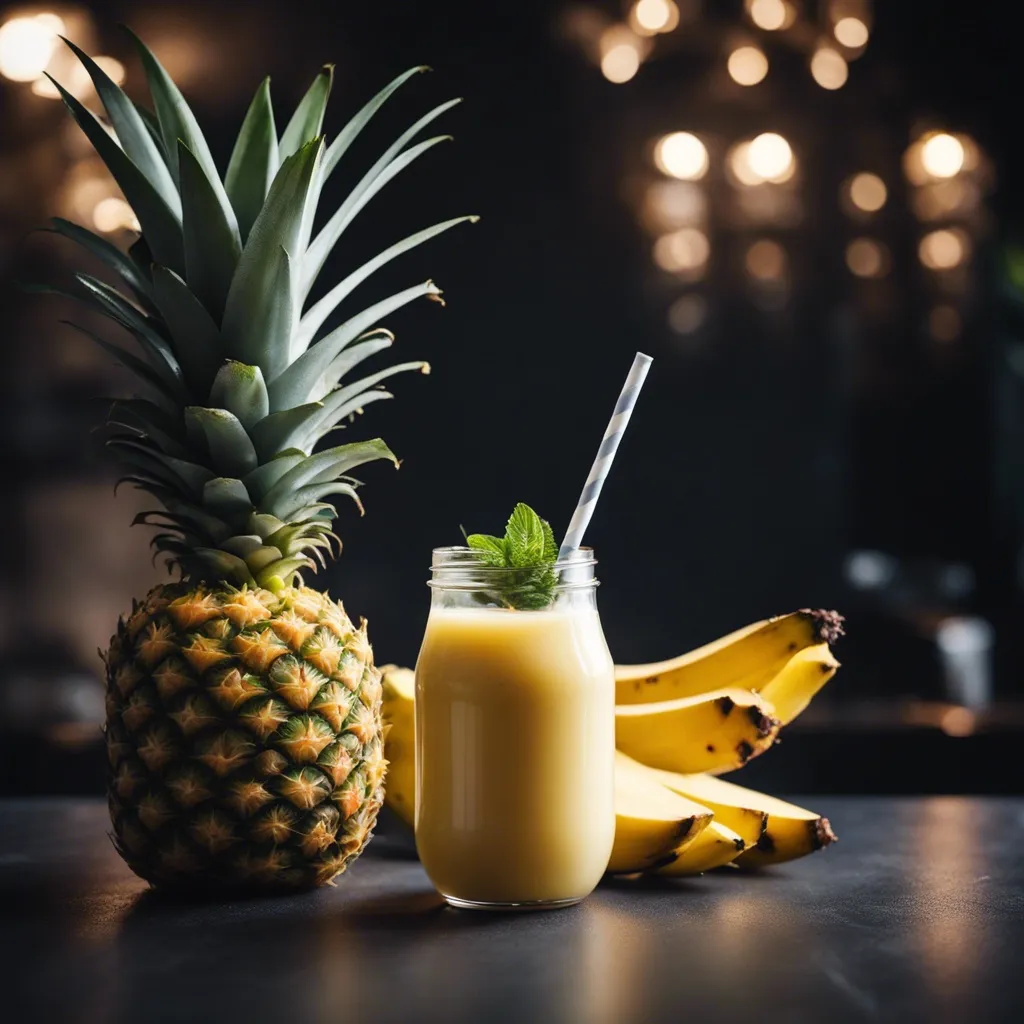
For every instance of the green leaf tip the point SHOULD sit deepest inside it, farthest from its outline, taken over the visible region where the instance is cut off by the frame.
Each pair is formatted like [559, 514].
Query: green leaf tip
[529, 549]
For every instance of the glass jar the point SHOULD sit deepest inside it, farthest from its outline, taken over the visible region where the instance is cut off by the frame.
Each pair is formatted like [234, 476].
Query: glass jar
[515, 736]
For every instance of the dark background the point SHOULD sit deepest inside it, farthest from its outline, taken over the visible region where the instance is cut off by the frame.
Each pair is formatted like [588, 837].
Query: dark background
[768, 449]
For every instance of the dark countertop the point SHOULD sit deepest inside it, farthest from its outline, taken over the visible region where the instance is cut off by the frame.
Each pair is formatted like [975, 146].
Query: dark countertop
[917, 914]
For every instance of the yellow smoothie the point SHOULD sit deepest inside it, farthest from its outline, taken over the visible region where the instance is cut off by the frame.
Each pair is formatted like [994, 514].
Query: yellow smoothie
[515, 740]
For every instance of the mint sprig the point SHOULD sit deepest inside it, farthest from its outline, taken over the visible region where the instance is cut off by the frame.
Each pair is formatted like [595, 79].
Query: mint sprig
[528, 546]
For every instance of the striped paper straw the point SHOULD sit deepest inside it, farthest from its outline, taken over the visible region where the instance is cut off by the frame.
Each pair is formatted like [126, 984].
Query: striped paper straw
[605, 454]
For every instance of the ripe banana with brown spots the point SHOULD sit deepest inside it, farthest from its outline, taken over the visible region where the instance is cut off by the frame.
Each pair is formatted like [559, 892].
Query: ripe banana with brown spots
[747, 659]
[788, 831]
[713, 732]
[715, 847]
[651, 821]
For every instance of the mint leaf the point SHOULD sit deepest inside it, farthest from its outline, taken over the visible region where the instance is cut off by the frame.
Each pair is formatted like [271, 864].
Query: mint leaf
[528, 548]
[550, 544]
[490, 549]
[524, 537]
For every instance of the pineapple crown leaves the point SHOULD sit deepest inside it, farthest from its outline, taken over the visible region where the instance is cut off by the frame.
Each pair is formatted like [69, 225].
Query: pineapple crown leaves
[242, 374]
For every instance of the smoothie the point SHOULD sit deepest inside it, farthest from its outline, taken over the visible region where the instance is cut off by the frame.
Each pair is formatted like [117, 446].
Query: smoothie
[515, 753]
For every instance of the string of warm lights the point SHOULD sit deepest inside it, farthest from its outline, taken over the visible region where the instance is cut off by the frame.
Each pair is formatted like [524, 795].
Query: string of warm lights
[626, 45]
[945, 172]
[30, 48]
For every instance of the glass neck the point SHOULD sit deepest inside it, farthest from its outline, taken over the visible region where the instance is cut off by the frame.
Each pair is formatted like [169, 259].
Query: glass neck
[459, 579]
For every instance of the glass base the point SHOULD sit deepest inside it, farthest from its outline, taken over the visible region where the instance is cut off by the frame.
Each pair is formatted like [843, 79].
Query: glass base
[524, 905]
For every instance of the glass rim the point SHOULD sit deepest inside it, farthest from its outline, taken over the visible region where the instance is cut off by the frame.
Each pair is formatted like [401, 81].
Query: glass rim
[466, 558]
[458, 568]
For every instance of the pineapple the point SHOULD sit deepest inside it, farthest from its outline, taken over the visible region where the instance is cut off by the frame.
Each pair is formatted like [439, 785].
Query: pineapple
[243, 708]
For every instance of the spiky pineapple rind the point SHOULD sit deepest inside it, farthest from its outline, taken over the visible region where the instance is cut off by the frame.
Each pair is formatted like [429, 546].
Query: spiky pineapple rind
[236, 762]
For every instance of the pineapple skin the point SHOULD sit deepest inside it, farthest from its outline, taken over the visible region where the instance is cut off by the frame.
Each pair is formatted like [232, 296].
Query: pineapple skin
[244, 738]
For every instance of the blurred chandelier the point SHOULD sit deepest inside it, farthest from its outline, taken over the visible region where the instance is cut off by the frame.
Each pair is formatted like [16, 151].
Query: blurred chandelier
[746, 175]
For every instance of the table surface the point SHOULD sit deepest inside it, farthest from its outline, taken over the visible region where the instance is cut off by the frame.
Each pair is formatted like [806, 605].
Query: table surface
[916, 914]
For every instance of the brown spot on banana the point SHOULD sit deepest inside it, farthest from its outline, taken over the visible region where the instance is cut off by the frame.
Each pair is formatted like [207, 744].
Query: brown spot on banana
[684, 828]
[822, 834]
[766, 844]
[764, 724]
[827, 625]
[744, 751]
[711, 748]
[725, 705]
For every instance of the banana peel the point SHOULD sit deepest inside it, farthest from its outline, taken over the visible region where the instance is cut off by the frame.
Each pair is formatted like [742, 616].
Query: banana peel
[788, 831]
[651, 821]
[737, 811]
[792, 689]
[715, 847]
[398, 710]
[747, 659]
[713, 732]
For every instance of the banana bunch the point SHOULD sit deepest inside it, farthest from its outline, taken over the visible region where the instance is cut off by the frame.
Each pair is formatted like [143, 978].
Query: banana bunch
[678, 725]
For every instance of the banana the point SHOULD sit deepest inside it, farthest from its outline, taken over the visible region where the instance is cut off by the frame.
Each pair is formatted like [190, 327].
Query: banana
[650, 820]
[716, 845]
[747, 659]
[713, 732]
[728, 801]
[792, 832]
[799, 680]
[399, 686]
[789, 831]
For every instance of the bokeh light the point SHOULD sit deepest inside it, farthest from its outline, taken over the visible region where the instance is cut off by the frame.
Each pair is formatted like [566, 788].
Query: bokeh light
[770, 158]
[653, 16]
[939, 200]
[27, 45]
[673, 204]
[867, 258]
[867, 192]
[619, 63]
[851, 32]
[972, 154]
[685, 252]
[112, 67]
[771, 15]
[765, 260]
[829, 69]
[687, 314]
[943, 249]
[114, 214]
[681, 155]
[747, 65]
[77, 81]
[942, 155]
[87, 186]
[739, 165]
